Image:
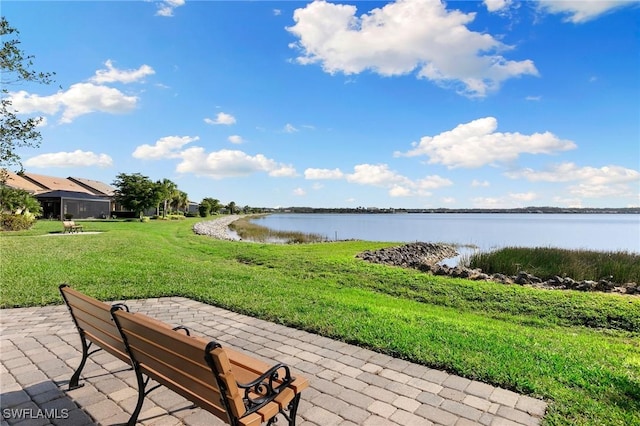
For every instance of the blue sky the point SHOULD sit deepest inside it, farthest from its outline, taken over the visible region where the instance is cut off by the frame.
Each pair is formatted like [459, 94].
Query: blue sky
[413, 103]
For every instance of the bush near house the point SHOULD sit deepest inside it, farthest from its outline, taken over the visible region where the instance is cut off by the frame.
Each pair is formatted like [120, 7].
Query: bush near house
[16, 222]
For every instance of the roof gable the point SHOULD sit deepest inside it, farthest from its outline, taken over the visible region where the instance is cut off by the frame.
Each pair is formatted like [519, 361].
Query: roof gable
[94, 186]
[55, 183]
[18, 182]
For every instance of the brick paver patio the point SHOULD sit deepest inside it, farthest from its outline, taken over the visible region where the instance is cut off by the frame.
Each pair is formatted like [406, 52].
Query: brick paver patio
[40, 348]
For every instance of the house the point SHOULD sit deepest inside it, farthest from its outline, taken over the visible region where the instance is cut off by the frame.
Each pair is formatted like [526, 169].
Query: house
[80, 198]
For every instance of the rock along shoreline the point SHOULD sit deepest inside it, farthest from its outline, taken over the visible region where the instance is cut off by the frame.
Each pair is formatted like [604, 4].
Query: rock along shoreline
[218, 228]
[426, 257]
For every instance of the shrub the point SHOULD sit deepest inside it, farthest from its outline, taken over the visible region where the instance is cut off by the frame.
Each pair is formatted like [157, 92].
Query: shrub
[16, 222]
[545, 263]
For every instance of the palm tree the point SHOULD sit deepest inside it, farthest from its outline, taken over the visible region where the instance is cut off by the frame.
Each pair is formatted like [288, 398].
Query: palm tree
[180, 200]
[231, 207]
[167, 191]
[214, 204]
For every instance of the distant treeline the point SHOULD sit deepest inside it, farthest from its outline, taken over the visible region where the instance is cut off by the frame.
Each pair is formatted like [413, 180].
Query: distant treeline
[533, 210]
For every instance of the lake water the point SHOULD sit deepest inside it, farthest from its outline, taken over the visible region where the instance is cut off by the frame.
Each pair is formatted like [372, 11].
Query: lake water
[600, 232]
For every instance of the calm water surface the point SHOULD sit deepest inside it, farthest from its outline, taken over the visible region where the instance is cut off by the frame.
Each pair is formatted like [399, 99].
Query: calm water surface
[601, 232]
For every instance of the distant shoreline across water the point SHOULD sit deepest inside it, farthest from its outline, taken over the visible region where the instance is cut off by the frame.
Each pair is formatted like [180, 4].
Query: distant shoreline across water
[486, 231]
[520, 210]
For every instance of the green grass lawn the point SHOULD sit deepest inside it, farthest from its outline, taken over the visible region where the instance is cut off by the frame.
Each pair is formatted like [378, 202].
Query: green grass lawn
[579, 351]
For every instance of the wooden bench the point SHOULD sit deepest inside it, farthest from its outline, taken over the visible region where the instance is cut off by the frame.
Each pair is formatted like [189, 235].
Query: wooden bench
[70, 226]
[233, 386]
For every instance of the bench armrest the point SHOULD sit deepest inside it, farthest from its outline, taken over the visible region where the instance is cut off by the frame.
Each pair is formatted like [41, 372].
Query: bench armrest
[257, 393]
[265, 388]
[268, 385]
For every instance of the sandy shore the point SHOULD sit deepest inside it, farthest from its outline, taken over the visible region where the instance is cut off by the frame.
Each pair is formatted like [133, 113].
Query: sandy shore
[218, 228]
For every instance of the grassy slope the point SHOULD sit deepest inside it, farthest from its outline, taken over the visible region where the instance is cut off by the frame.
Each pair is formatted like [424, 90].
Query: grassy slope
[579, 350]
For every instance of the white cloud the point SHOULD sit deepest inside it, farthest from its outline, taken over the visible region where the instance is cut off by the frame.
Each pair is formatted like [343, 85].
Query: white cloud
[221, 118]
[400, 191]
[166, 7]
[448, 200]
[323, 174]
[480, 183]
[523, 196]
[288, 128]
[511, 200]
[590, 182]
[283, 171]
[236, 139]
[601, 191]
[403, 37]
[299, 192]
[432, 182]
[581, 11]
[112, 74]
[375, 174]
[496, 5]
[381, 176]
[277, 12]
[76, 158]
[79, 99]
[533, 98]
[399, 186]
[229, 163]
[567, 172]
[477, 144]
[166, 147]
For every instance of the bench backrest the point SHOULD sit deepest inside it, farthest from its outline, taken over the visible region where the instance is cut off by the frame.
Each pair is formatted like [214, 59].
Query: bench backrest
[94, 320]
[191, 366]
[178, 361]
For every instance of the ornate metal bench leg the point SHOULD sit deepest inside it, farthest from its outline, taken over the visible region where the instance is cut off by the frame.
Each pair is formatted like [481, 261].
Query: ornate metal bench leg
[73, 383]
[141, 394]
[293, 410]
[289, 414]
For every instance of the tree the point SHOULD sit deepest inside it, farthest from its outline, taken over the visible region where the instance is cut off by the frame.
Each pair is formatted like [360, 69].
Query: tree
[18, 201]
[166, 190]
[15, 67]
[213, 203]
[232, 207]
[180, 200]
[203, 209]
[18, 209]
[136, 192]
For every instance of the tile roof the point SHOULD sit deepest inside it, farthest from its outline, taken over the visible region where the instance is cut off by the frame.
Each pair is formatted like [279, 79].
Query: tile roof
[95, 186]
[18, 182]
[55, 183]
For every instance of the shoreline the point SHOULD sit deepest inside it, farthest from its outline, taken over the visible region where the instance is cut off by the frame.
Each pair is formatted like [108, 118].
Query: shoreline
[218, 228]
